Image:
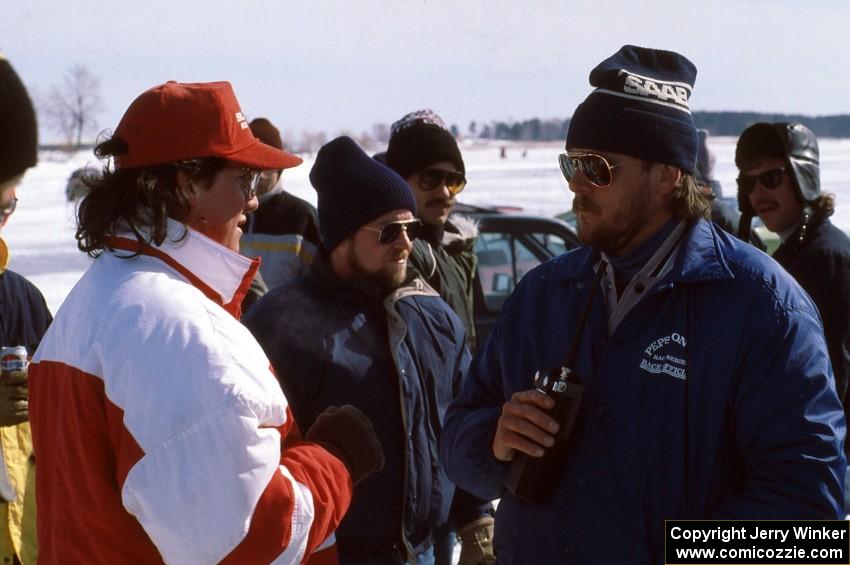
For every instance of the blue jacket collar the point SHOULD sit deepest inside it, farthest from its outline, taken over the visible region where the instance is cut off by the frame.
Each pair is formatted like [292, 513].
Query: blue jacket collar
[700, 259]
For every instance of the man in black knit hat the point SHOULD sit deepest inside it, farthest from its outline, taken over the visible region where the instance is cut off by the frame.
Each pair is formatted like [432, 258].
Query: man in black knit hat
[425, 153]
[697, 369]
[360, 329]
[780, 182]
[24, 318]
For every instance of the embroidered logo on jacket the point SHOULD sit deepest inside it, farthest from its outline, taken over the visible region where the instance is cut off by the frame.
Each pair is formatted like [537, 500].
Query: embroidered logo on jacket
[666, 355]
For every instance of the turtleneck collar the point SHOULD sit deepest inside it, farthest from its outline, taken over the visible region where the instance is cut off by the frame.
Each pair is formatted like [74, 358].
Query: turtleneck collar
[626, 266]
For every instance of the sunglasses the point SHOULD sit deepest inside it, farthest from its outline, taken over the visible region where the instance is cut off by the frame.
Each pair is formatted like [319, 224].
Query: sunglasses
[249, 180]
[7, 210]
[391, 231]
[595, 168]
[769, 179]
[429, 179]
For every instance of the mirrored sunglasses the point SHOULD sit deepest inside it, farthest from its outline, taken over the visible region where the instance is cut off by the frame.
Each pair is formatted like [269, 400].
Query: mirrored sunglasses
[391, 231]
[429, 179]
[769, 179]
[595, 168]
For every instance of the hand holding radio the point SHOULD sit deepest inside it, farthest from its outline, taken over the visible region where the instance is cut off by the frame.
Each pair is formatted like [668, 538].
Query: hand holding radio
[525, 426]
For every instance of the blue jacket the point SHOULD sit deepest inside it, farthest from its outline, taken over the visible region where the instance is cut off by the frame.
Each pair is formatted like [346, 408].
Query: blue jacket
[752, 429]
[399, 358]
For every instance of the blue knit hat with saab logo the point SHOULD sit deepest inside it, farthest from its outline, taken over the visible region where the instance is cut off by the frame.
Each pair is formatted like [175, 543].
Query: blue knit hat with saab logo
[639, 108]
[354, 189]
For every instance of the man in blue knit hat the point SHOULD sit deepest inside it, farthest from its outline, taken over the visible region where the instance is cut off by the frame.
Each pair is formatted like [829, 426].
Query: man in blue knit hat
[698, 371]
[359, 329]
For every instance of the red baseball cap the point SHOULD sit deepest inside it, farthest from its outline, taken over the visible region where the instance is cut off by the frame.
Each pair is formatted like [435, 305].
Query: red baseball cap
[176, 121]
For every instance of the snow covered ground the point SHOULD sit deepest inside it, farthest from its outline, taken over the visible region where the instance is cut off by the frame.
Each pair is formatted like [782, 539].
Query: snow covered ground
[40, 235]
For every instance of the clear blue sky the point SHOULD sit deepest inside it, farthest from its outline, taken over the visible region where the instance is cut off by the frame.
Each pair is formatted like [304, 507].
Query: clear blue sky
[347, 64]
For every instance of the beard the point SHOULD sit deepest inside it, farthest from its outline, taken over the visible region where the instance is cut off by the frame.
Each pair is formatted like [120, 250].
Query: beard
[615, 231]
[389, 277]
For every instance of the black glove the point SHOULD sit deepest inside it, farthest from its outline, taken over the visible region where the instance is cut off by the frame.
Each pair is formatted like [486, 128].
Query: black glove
[14, 406]
[348, 434]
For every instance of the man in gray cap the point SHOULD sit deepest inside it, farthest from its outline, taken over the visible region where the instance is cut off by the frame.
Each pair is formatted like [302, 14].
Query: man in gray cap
[780, 182]
[692, 375]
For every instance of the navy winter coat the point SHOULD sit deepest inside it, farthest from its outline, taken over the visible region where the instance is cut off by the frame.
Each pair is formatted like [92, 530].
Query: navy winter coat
[713, 398]
[400, 359]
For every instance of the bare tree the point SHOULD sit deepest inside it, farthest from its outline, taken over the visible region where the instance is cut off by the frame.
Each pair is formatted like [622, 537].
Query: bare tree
[72, 106]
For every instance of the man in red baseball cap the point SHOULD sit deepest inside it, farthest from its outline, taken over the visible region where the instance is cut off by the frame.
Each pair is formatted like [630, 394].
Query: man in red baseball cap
[161, 433]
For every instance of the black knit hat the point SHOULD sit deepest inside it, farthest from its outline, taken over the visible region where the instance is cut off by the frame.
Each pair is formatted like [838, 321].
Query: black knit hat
[18, 128]
[640, 108]
[420, 139]
[354, 189]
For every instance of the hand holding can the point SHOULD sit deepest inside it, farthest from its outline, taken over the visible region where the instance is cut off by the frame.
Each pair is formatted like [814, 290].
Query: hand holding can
[14, 403]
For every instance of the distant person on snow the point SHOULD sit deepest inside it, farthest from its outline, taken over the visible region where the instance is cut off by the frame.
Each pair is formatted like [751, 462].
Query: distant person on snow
[284, 230]
[160, 430]
[707, 389]
[425, 153]
[779, 181]
[24, 318]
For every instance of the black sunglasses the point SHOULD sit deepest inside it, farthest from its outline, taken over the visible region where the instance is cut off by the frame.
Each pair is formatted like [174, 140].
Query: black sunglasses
[769, 179]
[429, 179]
[595, 168]
[9, 208]
[391, 231]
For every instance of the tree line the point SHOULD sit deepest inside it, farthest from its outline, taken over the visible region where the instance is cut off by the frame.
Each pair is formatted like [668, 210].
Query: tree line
[71, 108]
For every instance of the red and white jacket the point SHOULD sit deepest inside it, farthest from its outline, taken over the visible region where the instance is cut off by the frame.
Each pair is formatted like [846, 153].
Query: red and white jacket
[160, 432]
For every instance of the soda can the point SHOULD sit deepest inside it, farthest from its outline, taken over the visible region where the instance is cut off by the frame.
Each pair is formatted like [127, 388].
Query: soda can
[13, 359]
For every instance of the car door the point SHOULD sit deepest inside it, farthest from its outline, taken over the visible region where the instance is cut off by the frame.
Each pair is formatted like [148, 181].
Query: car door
[507, 248]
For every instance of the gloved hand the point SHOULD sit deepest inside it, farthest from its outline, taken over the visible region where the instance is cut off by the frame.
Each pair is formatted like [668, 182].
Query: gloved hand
[477, 542]
[14, 405]
[348, 434]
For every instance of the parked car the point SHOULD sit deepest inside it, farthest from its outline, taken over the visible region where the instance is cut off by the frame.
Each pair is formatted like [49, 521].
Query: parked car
[509, 245]
[76, 187]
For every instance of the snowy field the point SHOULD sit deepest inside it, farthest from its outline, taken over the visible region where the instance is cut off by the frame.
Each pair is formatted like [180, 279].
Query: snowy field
[40, 235]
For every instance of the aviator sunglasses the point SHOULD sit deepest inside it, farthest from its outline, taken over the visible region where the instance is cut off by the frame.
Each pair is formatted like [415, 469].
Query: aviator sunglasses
[769, 179]
[595, 168]
[429, 179]
[391, 231]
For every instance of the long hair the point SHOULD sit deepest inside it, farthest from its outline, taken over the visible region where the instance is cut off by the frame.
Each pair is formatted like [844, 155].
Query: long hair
[824, 205]
[138, 200]
[690, 202]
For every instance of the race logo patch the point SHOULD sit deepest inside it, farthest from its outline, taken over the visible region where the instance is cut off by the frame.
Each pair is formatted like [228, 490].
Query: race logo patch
[666, 93]
[666, 355]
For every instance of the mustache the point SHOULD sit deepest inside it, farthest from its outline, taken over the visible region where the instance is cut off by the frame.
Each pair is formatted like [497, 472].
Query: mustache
[439, 201]
[582, 204]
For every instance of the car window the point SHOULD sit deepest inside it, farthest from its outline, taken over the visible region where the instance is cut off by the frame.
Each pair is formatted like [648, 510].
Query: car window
[503, 260]
[554, 243]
